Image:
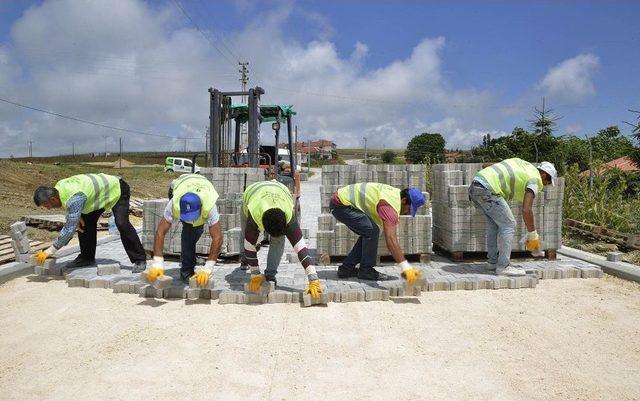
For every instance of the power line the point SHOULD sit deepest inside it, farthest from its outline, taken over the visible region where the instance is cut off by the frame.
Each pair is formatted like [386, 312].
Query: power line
[81, 120]
[234, 51]
[177, 3]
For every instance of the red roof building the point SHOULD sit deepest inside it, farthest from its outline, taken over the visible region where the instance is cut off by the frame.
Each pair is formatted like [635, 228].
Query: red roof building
[622, 163]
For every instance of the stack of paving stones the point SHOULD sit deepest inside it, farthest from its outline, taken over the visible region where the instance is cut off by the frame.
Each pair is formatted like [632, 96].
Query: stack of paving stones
[228, 284]
[459, 227]
[230, 184]
[20, 242]
[414, 233]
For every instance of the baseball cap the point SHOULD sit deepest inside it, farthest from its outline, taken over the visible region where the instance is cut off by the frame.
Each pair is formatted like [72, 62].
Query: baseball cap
[190, 206]
[550, 169]
[417, 200]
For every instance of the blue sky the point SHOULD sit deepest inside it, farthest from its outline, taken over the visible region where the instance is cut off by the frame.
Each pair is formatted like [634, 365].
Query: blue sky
[386, 70]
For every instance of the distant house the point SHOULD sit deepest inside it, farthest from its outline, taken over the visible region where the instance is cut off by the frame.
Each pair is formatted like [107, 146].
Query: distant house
[622, 163]
[321, 149]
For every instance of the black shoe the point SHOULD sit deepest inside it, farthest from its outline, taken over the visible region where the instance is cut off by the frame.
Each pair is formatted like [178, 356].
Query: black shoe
[373, 275]
[272, 279]
[80, 262]
[139, 267]
[346, 272]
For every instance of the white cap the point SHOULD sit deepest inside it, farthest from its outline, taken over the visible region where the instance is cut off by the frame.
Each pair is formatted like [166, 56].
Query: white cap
[550, 169]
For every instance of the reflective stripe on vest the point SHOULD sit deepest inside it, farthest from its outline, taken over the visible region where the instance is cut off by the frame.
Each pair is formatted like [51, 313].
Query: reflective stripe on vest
[366, 196]
[255, 204]
[510, 177]
[200, 186]
[102, 190]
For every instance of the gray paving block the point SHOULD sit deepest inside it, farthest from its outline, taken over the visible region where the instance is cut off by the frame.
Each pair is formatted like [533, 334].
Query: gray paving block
[162, 282]
[193, 293]
[279, 297]
[590, 272]
[438, 284]
[308, 300]
[108, 268]
[614, 256]
[123, 286]
[149, 291]
[175, 292]
[376, 294]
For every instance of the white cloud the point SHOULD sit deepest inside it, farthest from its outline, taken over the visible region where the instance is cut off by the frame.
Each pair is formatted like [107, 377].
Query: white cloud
[128, 64]
[572, 79]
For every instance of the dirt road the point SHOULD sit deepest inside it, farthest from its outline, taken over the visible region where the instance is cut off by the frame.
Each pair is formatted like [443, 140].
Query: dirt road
[566, 339]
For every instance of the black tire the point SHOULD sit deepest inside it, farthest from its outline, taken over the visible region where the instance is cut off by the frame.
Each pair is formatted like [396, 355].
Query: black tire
[169, 170]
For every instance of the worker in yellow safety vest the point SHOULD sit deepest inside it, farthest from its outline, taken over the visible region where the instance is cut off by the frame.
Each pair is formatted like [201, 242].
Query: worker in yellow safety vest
[364, 208]
[85, 197]
[268, 207]
[193, 202]
[492, 187]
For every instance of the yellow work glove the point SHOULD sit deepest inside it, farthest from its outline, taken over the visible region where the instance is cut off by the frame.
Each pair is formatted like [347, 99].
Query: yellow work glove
[42, 255]
[314, 288]
[256, 281]
[409, 273]
[80, 228]
[533, 241]
[203, 273]
[156, 269]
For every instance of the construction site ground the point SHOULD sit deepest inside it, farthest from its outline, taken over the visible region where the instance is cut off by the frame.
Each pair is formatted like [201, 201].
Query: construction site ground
[563, 339]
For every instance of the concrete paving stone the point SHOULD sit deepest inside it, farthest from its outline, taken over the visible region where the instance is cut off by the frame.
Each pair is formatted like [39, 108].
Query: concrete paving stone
[149, 291]
[99, 282]
[108, 268]
[161, 282]
[438, 284]
[279, 297]
[590, 272]
[308, 300]
[193, 293]
[376, 295]
[175, 292]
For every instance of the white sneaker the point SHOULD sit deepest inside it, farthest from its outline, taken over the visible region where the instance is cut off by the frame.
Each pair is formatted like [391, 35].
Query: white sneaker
[510, 271]
[491, 267]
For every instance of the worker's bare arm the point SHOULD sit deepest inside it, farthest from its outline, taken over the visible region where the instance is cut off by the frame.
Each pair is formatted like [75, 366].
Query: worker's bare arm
[158, 242]
[391, 239]
[216, 241]
[527, 210]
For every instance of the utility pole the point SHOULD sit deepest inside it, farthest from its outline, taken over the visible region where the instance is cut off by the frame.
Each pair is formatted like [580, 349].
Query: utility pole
[365, 150]
[73, 148]
[105, 146]
[185, 146]
[309, 156]
[30, 148]
[590, 165]
[120, 152]
[244, 76]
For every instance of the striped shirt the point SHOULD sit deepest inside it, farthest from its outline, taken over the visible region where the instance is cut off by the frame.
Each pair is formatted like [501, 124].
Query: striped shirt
[74, 212]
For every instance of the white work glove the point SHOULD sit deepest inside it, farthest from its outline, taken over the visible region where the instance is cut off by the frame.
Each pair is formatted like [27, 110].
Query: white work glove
[409, 272]
[533, 243]
[202, 273]
[155, 270]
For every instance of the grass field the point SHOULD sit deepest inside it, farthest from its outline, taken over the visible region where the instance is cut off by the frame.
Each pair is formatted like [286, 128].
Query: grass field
[18, 180]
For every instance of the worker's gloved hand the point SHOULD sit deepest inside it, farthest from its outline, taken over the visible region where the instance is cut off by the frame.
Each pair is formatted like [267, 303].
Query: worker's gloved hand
[314, 288]
[155, 270]
[203, 273]
[42, 255]
[533, 242]
[409, 273]
[80, 228]
[256, 281]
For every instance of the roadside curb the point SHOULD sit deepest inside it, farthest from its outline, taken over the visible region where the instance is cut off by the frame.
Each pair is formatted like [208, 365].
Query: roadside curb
[623, 270]
[12, 270]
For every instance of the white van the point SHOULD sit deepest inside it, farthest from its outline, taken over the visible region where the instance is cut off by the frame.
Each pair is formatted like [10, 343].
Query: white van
[179, 165]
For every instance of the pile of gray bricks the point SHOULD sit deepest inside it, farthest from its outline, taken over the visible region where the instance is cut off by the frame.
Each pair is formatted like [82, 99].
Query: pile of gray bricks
[459, 227]
[414, 233]
[230, 184]
[20, 242]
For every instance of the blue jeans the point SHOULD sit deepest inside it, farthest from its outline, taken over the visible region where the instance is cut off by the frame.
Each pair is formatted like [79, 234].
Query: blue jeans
[501, 225]
[276, 249]
[365, 251]
[190, 235]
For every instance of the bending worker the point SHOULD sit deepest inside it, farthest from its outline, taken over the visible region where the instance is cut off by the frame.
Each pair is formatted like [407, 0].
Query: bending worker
[85, 197]
[268, 206]
[490, 190]
[193, 201]
[364, 208]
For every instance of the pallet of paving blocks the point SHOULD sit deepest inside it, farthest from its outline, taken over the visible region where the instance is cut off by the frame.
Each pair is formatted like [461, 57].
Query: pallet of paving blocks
[230, 183]
[414, 233]
[459, 227]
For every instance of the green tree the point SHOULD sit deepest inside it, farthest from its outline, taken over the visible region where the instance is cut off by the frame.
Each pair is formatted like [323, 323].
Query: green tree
[388, 156]
[609, 144]
[425, 147]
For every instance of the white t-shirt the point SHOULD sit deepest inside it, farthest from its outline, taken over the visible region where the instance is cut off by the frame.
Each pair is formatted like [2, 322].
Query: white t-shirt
[214, 216]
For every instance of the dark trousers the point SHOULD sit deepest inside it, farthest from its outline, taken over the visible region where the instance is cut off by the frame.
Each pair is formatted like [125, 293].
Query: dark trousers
[365, 251]
[128, 234]
[190, 235]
